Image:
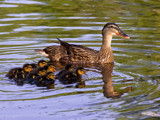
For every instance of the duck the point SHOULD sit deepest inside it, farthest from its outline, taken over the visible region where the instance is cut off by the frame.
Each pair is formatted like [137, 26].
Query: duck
[27, 69]
[47, 80]
[67, 68]
[69, 53]
[31, 77]
[42, 63]
[72, 76]
[14, 71]
[50, 68]
[19, 78]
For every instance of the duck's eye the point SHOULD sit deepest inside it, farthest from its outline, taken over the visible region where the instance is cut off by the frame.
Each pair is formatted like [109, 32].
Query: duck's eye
[111, 26]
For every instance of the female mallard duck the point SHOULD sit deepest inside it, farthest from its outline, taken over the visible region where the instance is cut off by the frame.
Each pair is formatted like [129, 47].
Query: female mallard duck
[46, 80]
[70, 53]
[67, 68]
[72, 76]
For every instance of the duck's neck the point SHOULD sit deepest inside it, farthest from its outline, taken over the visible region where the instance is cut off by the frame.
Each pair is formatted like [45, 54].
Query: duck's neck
[105, 53]
[106, 43]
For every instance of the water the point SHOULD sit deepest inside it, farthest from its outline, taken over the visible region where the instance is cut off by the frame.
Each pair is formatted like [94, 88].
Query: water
[26, 25]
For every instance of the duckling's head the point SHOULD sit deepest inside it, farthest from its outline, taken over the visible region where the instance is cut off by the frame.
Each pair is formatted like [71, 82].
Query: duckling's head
[80, 71]
[42, 71]
[27, 67]
[50, 68]
[42, 63]
[50, 75]
[69, 67]
[113, 29]
[34, 65]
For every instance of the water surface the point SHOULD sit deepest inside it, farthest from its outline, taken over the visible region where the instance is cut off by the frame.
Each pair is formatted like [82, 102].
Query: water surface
[26, 25]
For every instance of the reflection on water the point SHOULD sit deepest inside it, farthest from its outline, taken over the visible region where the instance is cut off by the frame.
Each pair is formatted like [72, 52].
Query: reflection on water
[108, 83]
[26, 25]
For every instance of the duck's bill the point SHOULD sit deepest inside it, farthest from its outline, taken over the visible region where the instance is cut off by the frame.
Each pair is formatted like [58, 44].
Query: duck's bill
[123, 35]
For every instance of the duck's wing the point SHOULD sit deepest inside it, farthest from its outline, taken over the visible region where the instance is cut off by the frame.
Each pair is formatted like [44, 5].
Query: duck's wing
[78, 52]
[75, 49]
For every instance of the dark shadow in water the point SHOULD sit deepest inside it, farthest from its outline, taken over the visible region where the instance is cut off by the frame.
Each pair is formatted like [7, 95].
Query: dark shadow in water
[106, 71]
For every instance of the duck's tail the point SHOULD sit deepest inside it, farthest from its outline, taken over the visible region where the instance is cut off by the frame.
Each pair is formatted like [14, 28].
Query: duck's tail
[64, 44]
[41, 52]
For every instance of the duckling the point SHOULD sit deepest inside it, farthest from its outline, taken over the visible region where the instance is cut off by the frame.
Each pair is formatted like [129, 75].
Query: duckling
[50, 68]
[42, 63]
[32, 75]
[46, 80]
[12, 72]
[19, 78]
[72, 76]
[68, 67]
[27, 69]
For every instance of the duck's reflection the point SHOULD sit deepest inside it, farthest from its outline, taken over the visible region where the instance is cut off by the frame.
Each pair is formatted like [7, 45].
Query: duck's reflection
[106, 71]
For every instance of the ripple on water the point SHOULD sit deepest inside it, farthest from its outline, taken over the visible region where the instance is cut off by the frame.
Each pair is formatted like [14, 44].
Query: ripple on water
[7, 5]
[28, 24]
[29, 14]
[25, 2]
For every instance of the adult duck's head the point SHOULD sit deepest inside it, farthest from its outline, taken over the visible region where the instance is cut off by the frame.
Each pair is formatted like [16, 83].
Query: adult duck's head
[111, 29]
